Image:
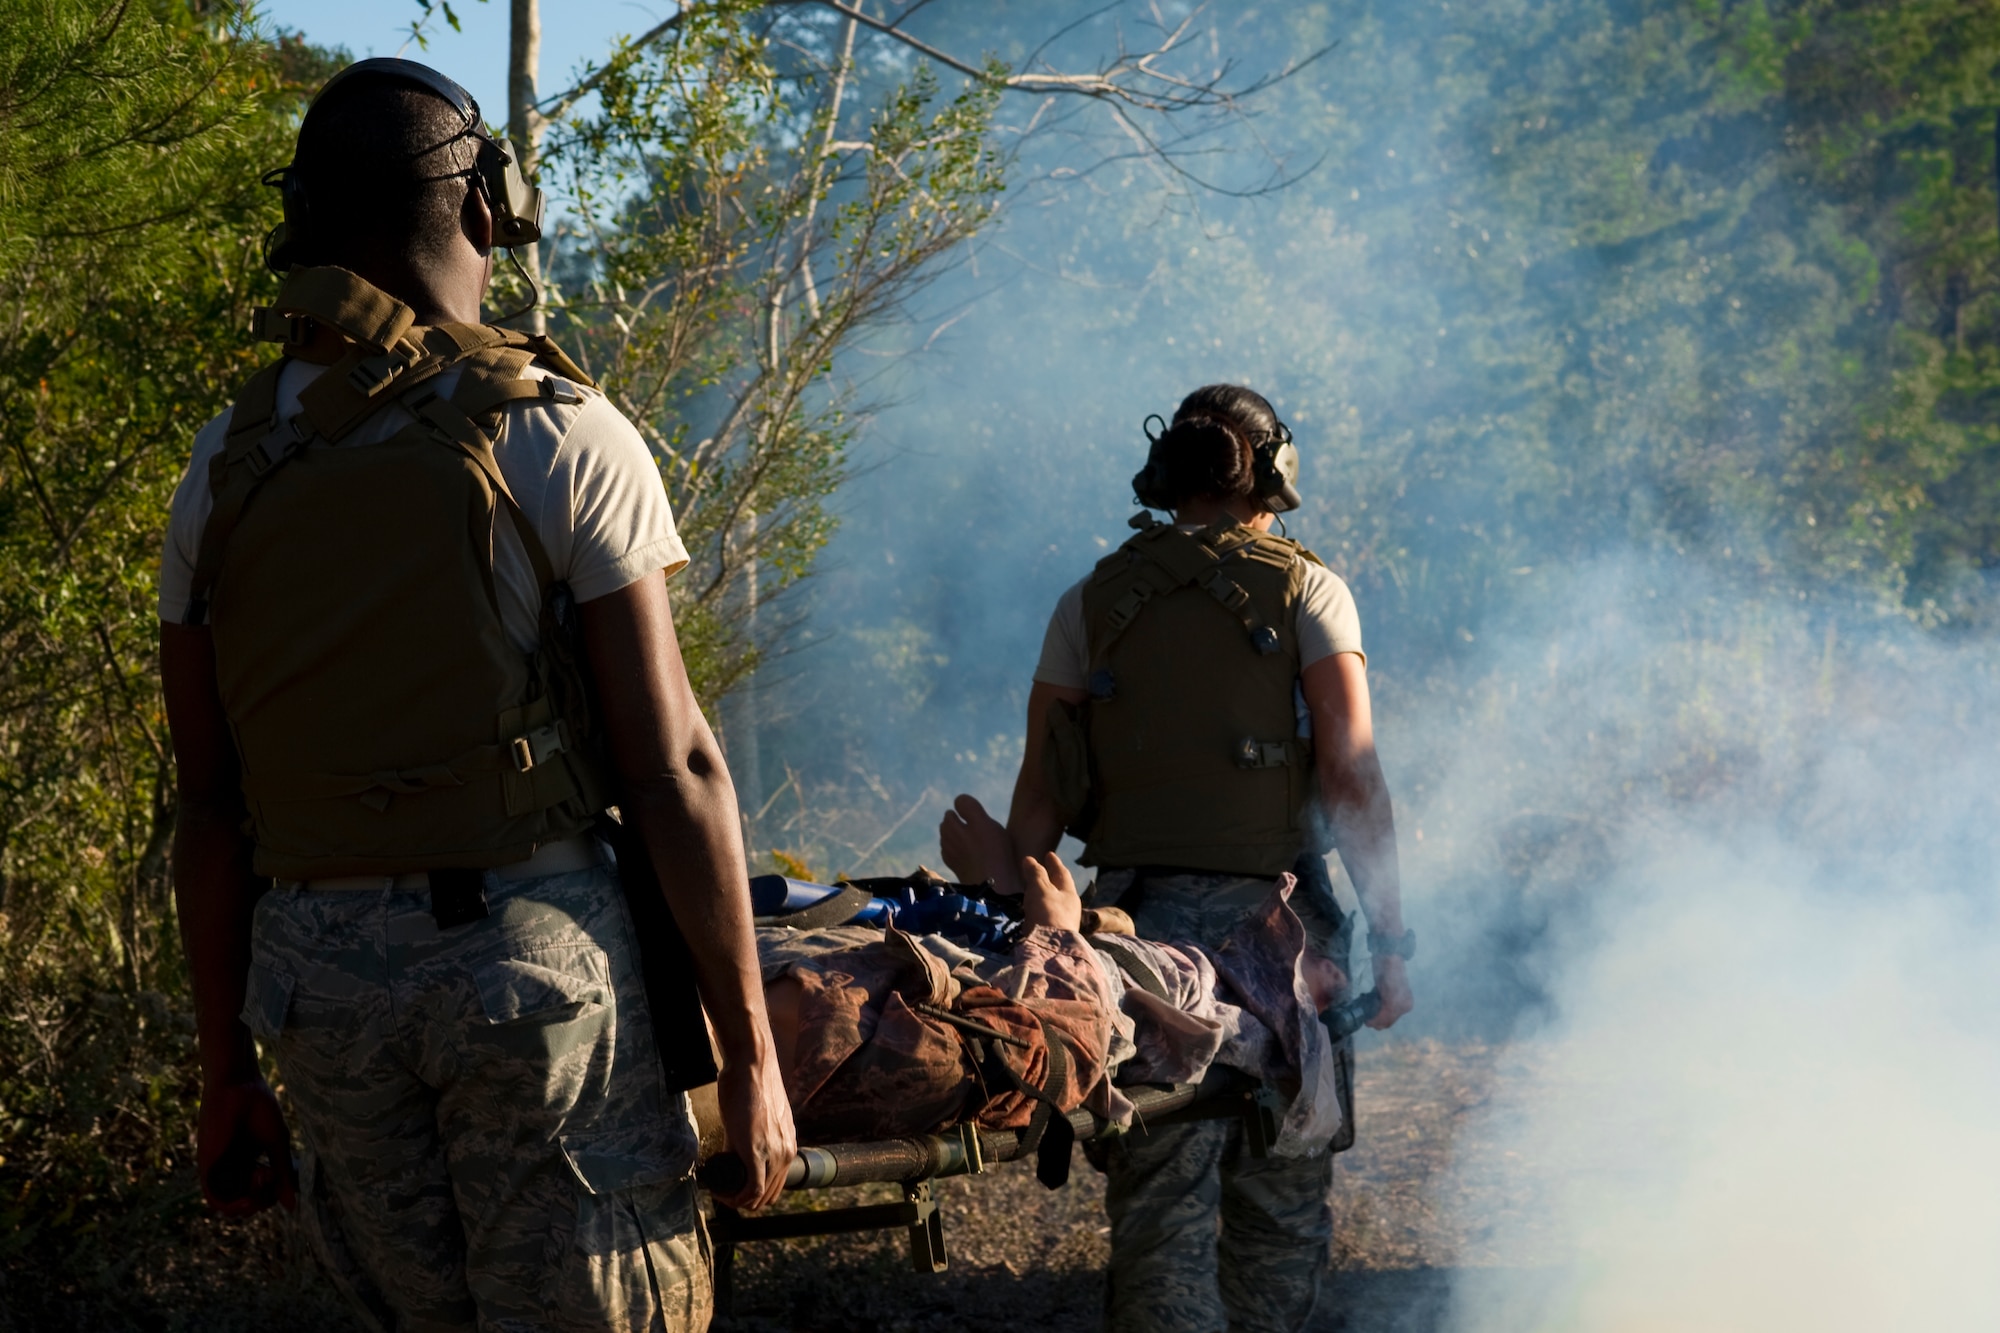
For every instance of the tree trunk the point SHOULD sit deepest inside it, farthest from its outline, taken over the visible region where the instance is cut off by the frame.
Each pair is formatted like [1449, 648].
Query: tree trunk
[525, 124]
[739, 707]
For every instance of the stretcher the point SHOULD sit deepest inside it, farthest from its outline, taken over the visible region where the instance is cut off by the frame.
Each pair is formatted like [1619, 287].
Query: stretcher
[916, 1161]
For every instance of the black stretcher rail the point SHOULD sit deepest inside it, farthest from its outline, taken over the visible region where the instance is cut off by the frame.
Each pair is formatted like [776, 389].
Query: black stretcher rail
[915, 1162]
[964, 1151]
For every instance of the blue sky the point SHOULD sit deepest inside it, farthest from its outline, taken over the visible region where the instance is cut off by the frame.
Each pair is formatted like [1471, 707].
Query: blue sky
[572, 31]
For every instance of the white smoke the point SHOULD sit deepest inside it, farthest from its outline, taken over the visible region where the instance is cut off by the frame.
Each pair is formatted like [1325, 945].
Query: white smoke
[1766, 1098]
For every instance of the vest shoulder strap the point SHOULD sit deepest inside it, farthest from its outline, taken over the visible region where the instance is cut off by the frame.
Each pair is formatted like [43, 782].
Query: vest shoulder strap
[392, 361]
[341, 301]
[252, 422]
[1163, 558]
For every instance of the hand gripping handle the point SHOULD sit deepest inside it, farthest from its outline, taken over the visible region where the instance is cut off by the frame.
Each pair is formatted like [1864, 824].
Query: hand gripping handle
[1345, 1020]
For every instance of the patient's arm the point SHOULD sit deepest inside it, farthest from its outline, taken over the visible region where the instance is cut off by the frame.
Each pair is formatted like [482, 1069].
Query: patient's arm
[1049, 893]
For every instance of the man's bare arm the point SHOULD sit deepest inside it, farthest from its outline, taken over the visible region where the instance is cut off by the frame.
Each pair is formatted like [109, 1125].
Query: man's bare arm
[214, 892]
[1356, 798]
[674, 784]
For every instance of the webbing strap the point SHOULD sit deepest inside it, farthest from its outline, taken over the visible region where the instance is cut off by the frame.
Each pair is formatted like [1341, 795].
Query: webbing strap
[1132, 963]
[1049, 1134]
[360, 385]
[835, 910]
[257, 406]
[1171, 560]
[451, 426]
[376, 789]
[343, 302]
[253, 428]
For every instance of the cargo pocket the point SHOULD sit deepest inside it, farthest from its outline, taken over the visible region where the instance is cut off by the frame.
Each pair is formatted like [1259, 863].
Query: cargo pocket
[546, 984]
[637, 1255]
[546, 1030]
[267, 1001]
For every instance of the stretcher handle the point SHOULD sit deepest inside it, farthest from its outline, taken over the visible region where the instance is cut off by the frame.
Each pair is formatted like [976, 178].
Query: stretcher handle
[725, 1173]
[1345, 1020]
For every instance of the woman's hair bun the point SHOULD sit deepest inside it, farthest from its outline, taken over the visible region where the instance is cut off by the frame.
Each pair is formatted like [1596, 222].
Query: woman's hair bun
[1209, 450]
[1199, 455]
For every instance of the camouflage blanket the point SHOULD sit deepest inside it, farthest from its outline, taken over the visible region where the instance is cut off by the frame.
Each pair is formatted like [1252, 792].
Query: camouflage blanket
[876, 1056]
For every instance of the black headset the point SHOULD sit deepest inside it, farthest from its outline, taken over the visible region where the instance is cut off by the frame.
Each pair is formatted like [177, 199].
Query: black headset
[1274, 469]
[516, 205]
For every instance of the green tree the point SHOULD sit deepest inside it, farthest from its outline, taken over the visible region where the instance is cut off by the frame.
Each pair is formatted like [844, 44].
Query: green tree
[129, 226]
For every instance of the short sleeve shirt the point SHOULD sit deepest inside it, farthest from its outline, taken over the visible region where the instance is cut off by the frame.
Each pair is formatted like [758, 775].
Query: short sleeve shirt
[1324, 621]
[580, 472]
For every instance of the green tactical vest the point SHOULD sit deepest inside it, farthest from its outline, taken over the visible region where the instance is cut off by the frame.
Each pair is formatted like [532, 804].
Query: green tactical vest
[1186, 753]
[384, 720]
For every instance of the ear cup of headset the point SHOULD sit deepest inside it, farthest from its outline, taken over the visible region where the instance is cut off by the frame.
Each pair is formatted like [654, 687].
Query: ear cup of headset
[281, 240]
[516, 205]
[1277, 474]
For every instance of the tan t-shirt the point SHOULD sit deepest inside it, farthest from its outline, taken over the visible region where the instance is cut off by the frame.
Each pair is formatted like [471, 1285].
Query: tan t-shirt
[579, 471]
[1324, 620]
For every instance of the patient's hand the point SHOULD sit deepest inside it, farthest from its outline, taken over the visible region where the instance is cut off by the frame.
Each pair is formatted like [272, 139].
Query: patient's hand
[1050, 894]
[977, 847]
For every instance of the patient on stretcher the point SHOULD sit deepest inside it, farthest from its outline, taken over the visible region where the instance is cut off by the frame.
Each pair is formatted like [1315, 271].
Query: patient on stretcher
[883, 1033]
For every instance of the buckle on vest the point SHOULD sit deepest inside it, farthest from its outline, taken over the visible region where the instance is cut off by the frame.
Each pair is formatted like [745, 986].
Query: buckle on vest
[261, 457]
[1128, 607]
[537, 746]
[1224, 590]
[1265, 638]
[557, 389]
[271, 326]
[1253, 753]
[373, 374]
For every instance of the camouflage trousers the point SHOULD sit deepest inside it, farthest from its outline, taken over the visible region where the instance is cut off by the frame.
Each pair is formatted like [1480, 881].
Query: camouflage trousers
[489, 1143]
[1205, 1237]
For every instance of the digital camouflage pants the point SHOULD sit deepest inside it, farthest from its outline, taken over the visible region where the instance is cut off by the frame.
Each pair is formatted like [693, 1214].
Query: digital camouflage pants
[1205, 1237]
[488, 1140]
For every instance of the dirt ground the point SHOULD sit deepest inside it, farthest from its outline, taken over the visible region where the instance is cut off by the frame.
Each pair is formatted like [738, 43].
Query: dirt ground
[1022, 1257]
[1411, 1209]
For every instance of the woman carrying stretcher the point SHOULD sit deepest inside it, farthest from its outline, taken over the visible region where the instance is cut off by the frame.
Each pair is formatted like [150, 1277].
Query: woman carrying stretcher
[1200, 719]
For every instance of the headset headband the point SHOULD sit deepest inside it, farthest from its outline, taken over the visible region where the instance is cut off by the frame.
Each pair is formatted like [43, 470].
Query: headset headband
[394, 67]
[516, 204]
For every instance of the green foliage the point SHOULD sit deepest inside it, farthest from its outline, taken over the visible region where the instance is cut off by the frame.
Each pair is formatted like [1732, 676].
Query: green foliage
[729, 244]
[130, 222]
[1711, 282]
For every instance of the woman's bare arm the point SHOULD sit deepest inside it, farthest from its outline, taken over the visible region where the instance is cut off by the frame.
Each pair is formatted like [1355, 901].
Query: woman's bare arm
[1356, 801]
[1032, 819]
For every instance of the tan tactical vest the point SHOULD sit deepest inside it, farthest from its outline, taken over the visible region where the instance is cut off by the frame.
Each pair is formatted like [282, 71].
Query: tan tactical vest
[384, 719]
[1186, 753]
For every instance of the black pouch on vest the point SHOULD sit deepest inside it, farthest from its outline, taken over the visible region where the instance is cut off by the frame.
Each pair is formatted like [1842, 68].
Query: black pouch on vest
[458, 897]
